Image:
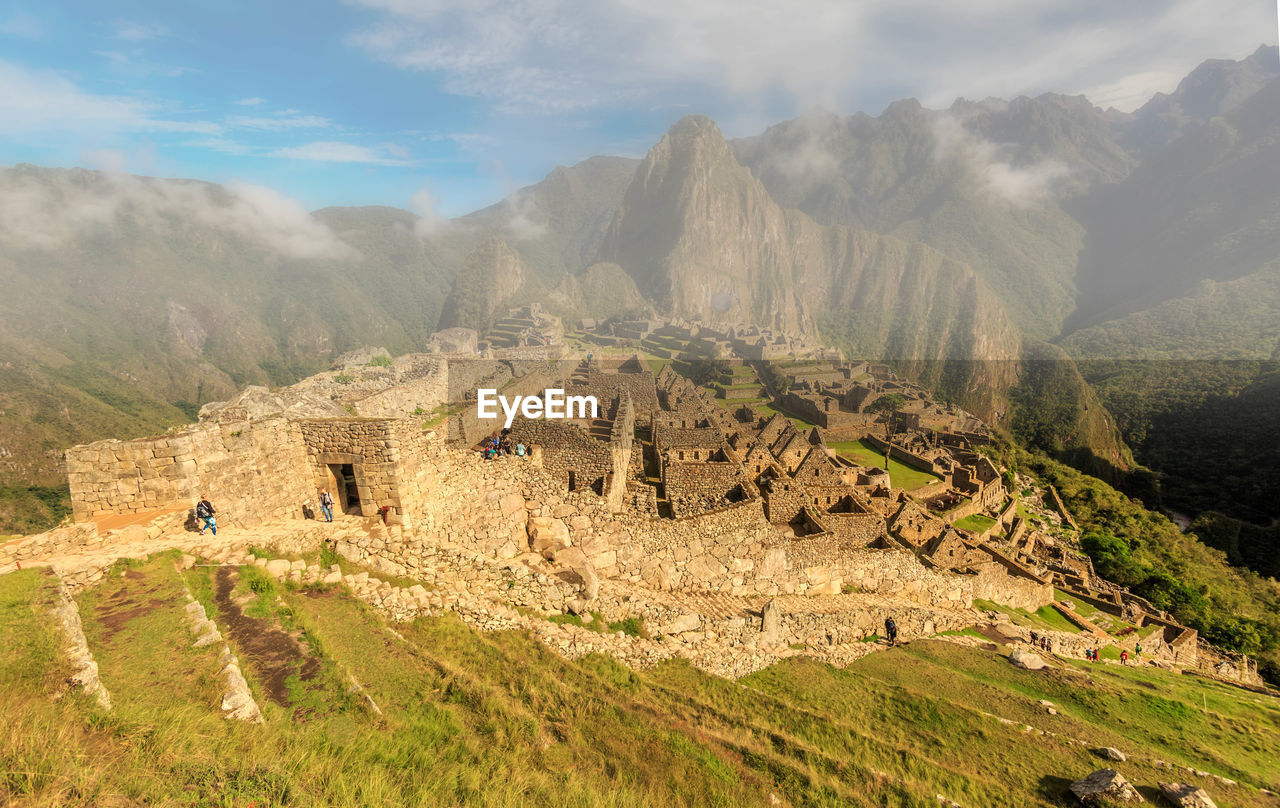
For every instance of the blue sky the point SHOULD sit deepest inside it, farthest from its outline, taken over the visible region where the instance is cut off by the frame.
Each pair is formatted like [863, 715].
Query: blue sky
[451, 104]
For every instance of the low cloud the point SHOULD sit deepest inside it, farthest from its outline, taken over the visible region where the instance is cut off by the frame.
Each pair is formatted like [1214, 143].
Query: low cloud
[430, 221]
[1020, 185]
[46, 209]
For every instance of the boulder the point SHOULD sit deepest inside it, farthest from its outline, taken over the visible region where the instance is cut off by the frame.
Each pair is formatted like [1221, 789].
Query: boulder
[590, 582]
[1103, 785]
[1185, 795]
[1111, 753]
[546, 535]
[277, 567]
[571, 557]
[1026, 660]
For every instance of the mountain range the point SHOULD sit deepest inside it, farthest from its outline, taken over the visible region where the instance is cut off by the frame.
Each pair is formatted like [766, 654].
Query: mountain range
[986, 249]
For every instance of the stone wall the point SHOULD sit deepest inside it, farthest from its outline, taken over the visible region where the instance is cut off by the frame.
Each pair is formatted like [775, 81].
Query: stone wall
[569, 453]
[694, 487]
[370, 446]
[994, 583]
[251, 471]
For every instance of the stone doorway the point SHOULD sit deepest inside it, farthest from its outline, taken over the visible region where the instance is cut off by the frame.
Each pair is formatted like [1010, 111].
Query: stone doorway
[347, 489]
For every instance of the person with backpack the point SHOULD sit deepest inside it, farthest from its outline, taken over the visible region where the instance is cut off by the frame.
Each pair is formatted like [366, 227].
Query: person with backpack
[326, 505]
[891, 630]
[206, 513]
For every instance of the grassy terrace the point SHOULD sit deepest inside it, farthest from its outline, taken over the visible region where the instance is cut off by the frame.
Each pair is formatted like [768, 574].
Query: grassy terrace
[497, 720]
[900, 475]
[1046, 617]
[978, 522]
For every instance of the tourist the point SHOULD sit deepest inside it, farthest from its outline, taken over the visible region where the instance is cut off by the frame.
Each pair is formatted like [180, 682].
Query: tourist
[891, 630]
[1124, 657]
[1137, 652]
[520, 450]
[326, 505]
[206, 513]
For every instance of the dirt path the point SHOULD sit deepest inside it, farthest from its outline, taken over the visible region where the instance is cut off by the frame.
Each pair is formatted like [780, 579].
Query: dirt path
[274, 655]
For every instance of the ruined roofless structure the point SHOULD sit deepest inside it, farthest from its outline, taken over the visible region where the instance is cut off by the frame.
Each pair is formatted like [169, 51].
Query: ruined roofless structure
[664, 491]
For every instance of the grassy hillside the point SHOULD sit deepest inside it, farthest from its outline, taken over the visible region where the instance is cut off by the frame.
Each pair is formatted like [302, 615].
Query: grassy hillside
[1142, 549]
[496, 719]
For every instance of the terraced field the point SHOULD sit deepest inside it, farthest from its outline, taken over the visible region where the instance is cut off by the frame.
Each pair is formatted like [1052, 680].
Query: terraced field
[444, 715]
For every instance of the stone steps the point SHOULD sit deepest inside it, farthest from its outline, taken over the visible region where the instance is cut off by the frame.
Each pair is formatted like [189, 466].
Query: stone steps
[237, 700]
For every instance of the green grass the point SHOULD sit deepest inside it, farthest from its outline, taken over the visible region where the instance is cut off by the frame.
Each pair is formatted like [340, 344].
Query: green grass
[631, 626]
[900, 475]
[965, 632]
[30, 657]
[977, 522]
[139, 635]
[1046, 617]
[498, 720]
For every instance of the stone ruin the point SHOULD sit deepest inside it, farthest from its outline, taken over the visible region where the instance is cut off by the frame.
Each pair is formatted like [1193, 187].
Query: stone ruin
[666, 496]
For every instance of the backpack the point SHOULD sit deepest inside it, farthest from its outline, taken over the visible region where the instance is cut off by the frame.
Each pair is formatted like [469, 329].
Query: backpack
[203, 511]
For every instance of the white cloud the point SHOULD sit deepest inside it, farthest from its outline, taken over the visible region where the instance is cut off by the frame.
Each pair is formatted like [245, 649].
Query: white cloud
[46, 209]
[22, 25]
[42, 101]
[552, 56]
[430, 220]
[1018, 185]
[251, 102]
[137, 65]
[280, 124]
[137, 31]
[331, 151]
[225, 146]
[1131, 92]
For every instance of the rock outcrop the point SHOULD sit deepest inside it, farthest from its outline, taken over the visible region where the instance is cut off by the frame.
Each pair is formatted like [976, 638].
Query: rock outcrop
[1104, 785]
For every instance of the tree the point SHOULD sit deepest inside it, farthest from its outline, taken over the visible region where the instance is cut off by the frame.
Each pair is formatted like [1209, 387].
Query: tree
[888, 404]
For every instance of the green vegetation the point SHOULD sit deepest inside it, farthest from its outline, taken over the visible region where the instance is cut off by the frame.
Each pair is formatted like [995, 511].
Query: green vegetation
[900, 475]
[1045, 617]
[631, 626]
[33, 508]
[380, 361]
[344, 378]
[1231, 607]
[442, 413]
[498, 720]
[1186, 418]
[977, 522]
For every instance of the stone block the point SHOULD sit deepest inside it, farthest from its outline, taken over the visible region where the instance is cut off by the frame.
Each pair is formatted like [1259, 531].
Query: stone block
[547, 534]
